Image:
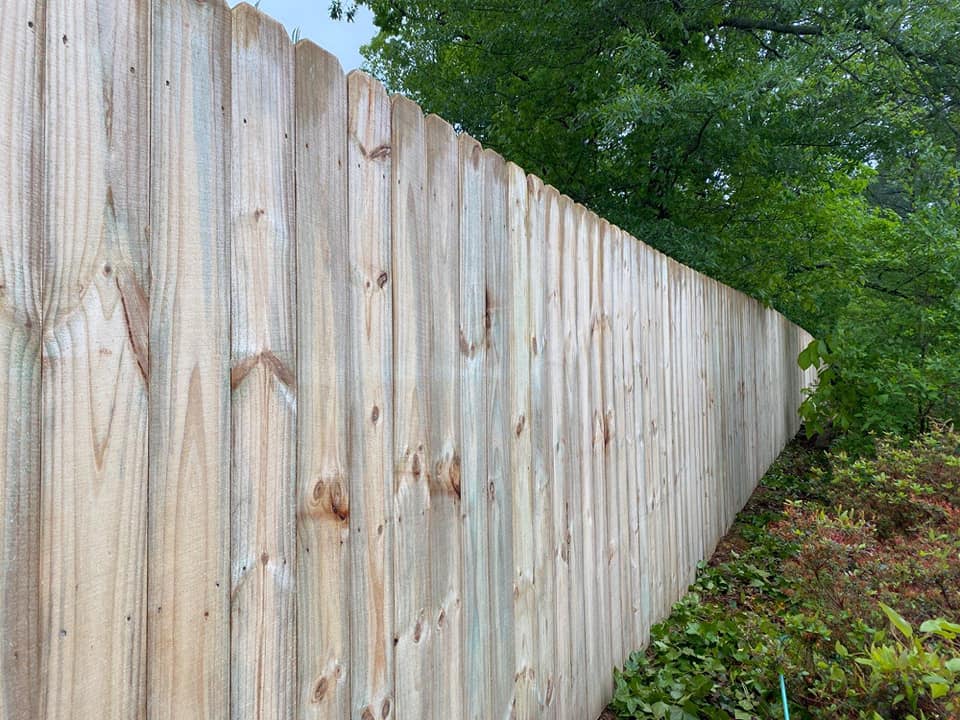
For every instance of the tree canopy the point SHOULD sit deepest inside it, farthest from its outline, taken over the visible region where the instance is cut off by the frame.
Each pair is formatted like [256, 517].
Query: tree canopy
[806, 153]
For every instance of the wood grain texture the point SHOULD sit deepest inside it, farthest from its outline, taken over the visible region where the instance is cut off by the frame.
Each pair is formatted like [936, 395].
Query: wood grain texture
[614, 472]
[188, 582]
[557, 694]
[21, 253]
[520, 473]
[636, 421]
[499, 431]
[473, 431]
[602, 688]
[575, 278]
[370, 428]
[477, 660]
[542, 458]
[263, 272]
[446, 528]
[412, 390]
[324, 322]
[96, 280]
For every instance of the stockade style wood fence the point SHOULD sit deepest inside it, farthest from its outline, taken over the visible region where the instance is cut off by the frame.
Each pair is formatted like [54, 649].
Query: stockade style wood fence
[312, 408]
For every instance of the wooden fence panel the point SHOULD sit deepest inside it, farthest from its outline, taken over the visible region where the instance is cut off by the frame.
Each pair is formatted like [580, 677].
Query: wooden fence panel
[616, 547]
[542, 459]
[633, 421]
[497, 371]
[558, 698]
[96, 280]
[324, 377]
[593, 336]
[473, 347]
[413, 347]
[263, 271]
[188, 581]
[520, 472]
[574, 382]
[446, 542]
[21, 227]
[370, 404]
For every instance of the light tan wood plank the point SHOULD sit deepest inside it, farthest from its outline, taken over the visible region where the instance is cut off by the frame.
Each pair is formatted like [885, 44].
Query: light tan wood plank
[21, 252]
[575, 308]
[557, 694]
[323, 505]
[96, 284]
[412, 391]
[520, 472]
[636, 409]
[370, 433]
[263, 271]
[188, 580]
[446, 527]
[544, 477]
[497, 372]
[601, 686]
[477, 663]
[618, 622]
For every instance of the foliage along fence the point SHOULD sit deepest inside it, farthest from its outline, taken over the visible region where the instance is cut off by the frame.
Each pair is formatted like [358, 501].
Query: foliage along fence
[312, 408]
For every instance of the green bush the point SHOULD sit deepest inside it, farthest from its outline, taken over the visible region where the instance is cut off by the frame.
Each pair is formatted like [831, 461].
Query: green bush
[805, 586]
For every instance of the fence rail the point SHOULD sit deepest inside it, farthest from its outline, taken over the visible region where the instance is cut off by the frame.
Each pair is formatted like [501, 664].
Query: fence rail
[312, 408]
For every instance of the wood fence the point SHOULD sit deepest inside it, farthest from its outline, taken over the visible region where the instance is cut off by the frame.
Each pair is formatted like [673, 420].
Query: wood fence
[311, 408]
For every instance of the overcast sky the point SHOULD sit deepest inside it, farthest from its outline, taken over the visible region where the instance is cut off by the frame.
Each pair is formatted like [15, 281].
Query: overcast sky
[341, 38]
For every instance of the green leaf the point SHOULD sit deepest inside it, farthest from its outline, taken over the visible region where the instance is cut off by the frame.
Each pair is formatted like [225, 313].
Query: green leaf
[809, 356]
[897, 620]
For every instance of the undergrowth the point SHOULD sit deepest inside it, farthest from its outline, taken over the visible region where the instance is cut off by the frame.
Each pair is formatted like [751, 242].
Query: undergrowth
[843, 574]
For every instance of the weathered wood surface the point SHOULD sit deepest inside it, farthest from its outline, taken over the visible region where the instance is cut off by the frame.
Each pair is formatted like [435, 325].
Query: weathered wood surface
[314, 409]
[94, 430]
[518, 351]
[324, 322]
[473, 348]
[22, 224]
[263, 272]
[188, 583]
[369, 428]
[413, 345]
[445, 609]
[499, 431]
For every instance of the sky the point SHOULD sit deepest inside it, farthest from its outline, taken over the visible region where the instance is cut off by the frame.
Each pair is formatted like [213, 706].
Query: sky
[341, 38]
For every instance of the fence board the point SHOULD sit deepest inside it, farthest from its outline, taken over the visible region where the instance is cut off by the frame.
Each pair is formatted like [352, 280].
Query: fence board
[446, 542]
[263, 270]
[96, 280]
[324, 599]
[473, 433]
[21, 227]
[574, 311]
[188, 580]
[370, 421]
[557, 696]
[413, 345]
[520, 477]
[497, 371]
[617, 545]
[637, 420]
[602, 687]
[542, 459]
